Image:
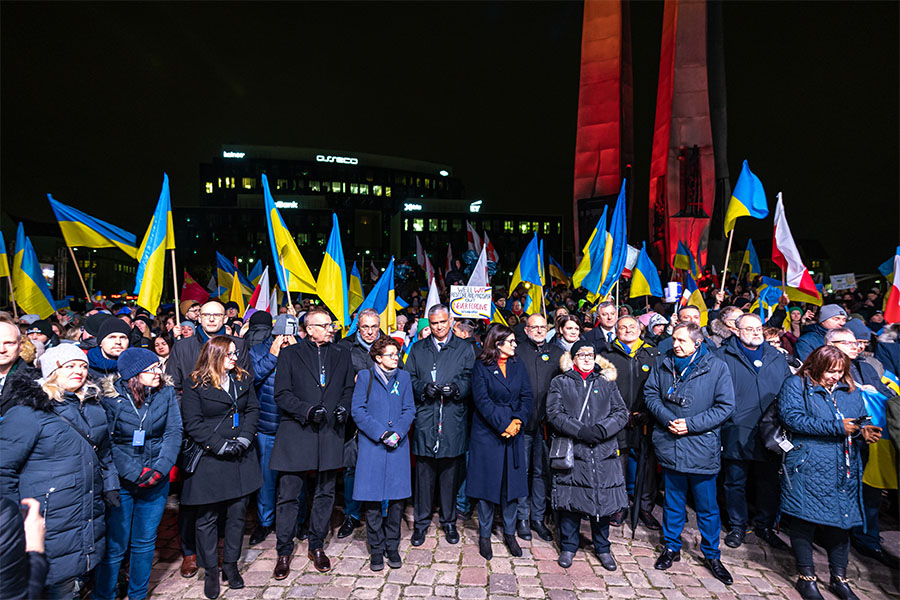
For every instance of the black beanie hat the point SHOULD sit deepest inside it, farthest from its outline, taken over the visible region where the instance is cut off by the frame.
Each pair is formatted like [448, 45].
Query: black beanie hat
[578, 345]
[93, 322]
[41, 326]
[110, 326]
[261, 317]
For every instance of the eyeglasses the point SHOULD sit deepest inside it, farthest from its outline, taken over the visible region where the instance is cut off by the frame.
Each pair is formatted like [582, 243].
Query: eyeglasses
[752, 329]
[585, 355]
[538, 327]
[369, 327]
[212, 315]
[154, 370]
[511, 342]
[322, 325]
[849, 342]
[392, 355]
[231, 354]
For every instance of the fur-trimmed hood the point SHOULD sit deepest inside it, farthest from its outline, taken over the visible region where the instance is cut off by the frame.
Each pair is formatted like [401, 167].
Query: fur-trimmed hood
[607, 369]
[718, 328]
[890, 334]
[108, 384]
[28, 392]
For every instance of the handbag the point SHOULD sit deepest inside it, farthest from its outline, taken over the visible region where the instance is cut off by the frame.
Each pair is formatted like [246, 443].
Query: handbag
[191, 451]
[774, 436]
[562, 449]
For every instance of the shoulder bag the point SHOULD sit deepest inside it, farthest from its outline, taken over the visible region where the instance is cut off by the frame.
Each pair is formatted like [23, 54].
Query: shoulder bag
[562, 449]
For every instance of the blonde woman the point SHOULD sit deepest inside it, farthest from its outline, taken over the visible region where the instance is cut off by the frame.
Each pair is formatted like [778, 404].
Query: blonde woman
[56, 449]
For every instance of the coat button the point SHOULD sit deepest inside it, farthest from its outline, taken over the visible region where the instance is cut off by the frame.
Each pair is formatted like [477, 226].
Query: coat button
[390, 422]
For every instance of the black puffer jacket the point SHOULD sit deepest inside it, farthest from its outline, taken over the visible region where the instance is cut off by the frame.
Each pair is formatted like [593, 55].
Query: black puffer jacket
[19, 368]
[631, 375]
[44, 459]
[596, 485]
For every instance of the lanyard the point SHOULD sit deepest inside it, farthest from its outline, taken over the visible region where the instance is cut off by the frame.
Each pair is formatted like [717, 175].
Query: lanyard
[136, 411]
[846, 443]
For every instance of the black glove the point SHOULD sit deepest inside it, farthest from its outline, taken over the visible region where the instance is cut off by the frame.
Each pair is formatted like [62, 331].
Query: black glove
[316, 414]
[231, 448]
[432, 391]
[450, 391]
[589, 434]
[112, 499]
[340, 414]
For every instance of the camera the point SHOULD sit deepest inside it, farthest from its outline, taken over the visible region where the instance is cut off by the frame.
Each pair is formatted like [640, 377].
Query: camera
[674, 398]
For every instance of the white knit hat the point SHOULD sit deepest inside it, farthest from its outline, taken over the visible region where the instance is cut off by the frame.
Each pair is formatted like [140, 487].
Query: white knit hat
[57, 356]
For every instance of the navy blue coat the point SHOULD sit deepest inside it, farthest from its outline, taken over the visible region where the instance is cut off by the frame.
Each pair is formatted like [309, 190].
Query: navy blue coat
[498, 400]
[264, 363]
[753, 394]
[161, 425]
[708, 402]
[815, 486]
[44, 459]
[811, 339]
[382, 473]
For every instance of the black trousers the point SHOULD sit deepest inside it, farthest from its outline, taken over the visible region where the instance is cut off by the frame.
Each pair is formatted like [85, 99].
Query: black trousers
[320, 487]
[835, 541]
[187, 529]
[767, 493]
[447, 473]
[383, 533]
[208, 533]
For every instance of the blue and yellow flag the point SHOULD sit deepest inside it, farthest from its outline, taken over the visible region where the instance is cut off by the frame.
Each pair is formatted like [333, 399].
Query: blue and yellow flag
[226, 272]
[684, 260]
[556, 271]
[293, 273]
[751, 260]
[148, 284]
[355, 288]
[29, 285]
[65, 303]
[793, 294]
[400, 303]
[695, 298]
[236, 294]
[644, 276]
[496, 316]
[4, 261]
[331, 286]
[747, 200]
[82, 230]
[381, 297]
[256, 273]
[528, 270]
[615, 253]
[592, 258]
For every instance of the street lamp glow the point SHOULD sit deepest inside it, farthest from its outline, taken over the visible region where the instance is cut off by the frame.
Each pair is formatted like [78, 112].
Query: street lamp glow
[444, 172]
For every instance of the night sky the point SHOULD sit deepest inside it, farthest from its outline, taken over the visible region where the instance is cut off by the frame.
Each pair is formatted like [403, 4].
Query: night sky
[99, 99]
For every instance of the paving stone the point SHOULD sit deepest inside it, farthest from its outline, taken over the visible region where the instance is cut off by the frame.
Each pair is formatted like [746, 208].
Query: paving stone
[471, 593]
[473, 576]
[501, 583]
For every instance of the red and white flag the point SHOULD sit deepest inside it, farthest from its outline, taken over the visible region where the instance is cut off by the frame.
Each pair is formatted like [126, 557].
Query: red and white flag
[449, 258]
[423, 261]
[472, 238]
[491, 252]
[892, 304]
[260, 298]
[374, 273]
[786, 256]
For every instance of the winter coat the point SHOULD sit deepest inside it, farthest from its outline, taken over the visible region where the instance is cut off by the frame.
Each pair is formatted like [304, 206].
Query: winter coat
[815, 485]
[161, 425]
[185, 352]
[43, 458]
[631, 375]
[595, 486]
[301, 445]
[208, 414]
[498, 400]
[23, 574]
[542, 364]
[20, 368]
[812, 338]
[359, 354]
[441, 426]
[382, 473]
[887, 349]
[264, 363]
[708, 395]
[753, 394]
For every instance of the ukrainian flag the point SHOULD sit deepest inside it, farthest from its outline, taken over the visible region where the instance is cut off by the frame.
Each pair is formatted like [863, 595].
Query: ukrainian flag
[160, 237]
[644, 276]
[793, 294]
[82, 230]
[29, 285]
[684, 260]
[696, 299]
[236, 294]
[592, 255]
[768, 293]
[293, 273]
[381, 297]
[751, 260]
[331, 286]
[256, 273]
[226, 272]
[4, 261]
[747, 200]
[400, 303]
[534, 300]
[615, 252]
[496, 317]
[355, 290]
[529, 269]
[557, 272]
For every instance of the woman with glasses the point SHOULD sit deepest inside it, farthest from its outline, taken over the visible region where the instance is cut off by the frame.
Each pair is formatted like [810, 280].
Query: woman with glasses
[220, 412]
[145, 426]
[383, 409]
[497, 473]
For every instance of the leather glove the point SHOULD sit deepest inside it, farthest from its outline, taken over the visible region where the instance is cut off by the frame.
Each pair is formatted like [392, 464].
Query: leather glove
[244, 442]
[390, 439]
[112, 499]
[450, 391]
[601, 431]
[231, 448]
[317, 414]
[589, 434]
[148, 477]
[432, 391]
[340, 414]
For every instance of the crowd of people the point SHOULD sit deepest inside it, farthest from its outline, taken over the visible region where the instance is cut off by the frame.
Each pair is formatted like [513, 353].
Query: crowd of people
[580, 411]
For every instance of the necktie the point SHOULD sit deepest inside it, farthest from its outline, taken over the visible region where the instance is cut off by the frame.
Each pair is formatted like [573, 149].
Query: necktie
[610, 337]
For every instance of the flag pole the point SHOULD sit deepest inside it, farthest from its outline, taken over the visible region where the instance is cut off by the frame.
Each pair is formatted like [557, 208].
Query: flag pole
[727, 257]
[741, 270]
[87, 295]
[286, 282]
[175, 288]
[12, 296]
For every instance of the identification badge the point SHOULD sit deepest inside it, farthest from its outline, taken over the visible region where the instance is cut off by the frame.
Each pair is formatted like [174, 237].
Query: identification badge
[322, 379]
[235, 420]
[434, 375]
[671, 389]
[138, 438]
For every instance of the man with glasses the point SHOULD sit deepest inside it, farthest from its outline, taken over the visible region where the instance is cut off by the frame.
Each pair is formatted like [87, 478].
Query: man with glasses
[541, 359]
[831, 316]
[313, 388]
[757, 373]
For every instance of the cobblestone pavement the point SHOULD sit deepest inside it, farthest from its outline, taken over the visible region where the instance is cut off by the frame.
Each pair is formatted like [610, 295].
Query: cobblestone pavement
[440, 570]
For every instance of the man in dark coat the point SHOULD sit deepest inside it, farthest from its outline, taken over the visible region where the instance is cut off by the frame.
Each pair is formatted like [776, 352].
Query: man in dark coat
[690, 394]
[604, 334]
[313, 389]
[757, 373]
[440, 367]
[11, 362]
[633, 359]
[541, 360]
[831, 316]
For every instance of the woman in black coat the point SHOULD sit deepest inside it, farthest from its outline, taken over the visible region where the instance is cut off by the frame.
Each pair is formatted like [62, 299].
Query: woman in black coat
[584, 405]
[220, 411]
[497, 470]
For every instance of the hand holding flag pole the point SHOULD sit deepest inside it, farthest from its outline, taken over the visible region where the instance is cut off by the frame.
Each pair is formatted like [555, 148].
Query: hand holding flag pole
[175, 287]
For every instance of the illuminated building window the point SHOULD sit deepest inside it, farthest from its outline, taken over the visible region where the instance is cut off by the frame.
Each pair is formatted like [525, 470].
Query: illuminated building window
[387, 191]
[457, 224]
[354, 188]
[376, 189]
[315, 186]
[524, 227]
[364, 188]
[508, 227]
[418, 224]
[535, 227]
[486, 225]
[418, 182]
[336, 187]
[546, 227]
[558, 228]
[209, 187]
[303, 239]
[248, 183]
[432, 224]
[220, 182]
[443, 224]
[403, 180]
[427, 183]
[405, 224]
[281, 184]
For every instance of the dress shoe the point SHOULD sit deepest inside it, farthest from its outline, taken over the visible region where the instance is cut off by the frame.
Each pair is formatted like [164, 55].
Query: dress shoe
[806, 584]
[418, 537]
[666, 559]
[451, 533]
[618, 518]
[189, 566]
[565, 559]
[542, 531]
[512, 544]
[393, 559]
[282, 567]
[302, 532]
[376, 562]
[771, 538]
[840, 585]
[320, 561]
[735, 537]
[606, 559]
[719, 571]
[259, 534]
[347, 527]
[231, 574]
[211, 583]
[888, 560]
[649, 520]
[523, 530]
[484, 548]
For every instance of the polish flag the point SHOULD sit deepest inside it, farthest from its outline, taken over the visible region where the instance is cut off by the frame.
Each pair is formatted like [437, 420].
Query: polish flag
[423, 261]
[472, 238]
[786, 256]
[892, 304]
[260, 298]
[374, 273]
[491, 252]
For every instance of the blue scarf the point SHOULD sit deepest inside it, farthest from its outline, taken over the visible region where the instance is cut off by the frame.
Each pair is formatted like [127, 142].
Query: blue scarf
[754, 356]
[685, 364]
[362, 342]
[99, 362]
